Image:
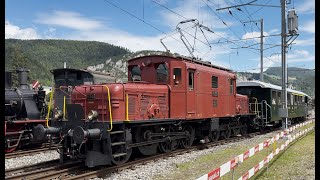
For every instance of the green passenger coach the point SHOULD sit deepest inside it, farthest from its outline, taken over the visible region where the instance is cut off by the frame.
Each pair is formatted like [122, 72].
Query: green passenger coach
[265, 101]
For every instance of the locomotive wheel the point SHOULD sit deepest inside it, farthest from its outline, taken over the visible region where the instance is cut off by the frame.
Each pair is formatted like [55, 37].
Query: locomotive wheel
[215, 136]
[244, 130]
[226, 134]
[236, 131]
[168, 146]
[140, 137]
[187, 142]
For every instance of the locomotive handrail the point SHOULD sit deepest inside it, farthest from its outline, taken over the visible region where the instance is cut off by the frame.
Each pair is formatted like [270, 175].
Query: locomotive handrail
[110, 110]
[50, 101]
[256, 111]
[127, 108]
[267, 105]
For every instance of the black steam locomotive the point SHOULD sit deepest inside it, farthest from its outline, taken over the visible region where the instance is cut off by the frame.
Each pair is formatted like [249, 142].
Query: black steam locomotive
[24, 109]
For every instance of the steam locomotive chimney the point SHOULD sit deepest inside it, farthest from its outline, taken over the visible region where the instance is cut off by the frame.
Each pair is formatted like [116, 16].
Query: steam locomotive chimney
[8, 79]
[23, 78]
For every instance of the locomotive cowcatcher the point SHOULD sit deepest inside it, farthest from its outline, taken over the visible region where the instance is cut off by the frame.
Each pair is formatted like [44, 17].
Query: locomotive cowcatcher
[168, 102]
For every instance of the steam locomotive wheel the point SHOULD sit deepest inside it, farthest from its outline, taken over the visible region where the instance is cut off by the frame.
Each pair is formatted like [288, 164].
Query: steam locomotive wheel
[187, 142]
[215, 136]
[141, 136]
[226, 134]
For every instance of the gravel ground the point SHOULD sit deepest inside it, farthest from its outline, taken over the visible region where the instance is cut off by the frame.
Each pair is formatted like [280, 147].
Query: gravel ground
[32, 159]
[164, 166]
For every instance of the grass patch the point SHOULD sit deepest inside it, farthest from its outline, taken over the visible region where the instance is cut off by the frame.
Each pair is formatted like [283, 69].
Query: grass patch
[297, 162]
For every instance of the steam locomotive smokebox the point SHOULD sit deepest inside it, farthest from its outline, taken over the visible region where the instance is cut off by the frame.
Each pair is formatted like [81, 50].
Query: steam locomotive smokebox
[23, 78]
[8, 79]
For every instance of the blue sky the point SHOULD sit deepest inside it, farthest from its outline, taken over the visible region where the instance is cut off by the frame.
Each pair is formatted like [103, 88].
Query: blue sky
[99, 20]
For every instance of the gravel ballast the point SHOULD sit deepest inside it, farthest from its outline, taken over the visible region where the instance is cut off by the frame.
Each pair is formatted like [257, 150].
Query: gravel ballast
[31, 159]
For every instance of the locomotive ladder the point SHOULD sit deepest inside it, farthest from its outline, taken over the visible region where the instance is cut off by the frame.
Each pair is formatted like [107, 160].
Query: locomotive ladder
[118, 144]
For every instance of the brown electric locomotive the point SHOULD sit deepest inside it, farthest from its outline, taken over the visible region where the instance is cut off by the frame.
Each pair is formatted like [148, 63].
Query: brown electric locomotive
[168, 102]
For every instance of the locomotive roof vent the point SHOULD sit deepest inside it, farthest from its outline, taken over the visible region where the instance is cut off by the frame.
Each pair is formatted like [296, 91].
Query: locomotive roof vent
[23, 78]
[8, 80]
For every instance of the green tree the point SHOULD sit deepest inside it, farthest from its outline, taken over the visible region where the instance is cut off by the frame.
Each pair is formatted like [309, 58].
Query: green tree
[18, 60]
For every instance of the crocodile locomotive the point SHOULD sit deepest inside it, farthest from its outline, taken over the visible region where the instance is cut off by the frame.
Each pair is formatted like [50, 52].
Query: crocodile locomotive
[169, 102]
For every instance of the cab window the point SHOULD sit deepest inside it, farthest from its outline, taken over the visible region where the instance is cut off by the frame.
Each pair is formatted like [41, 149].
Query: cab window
[135, 73]
[231, 86]
[162, 73]
[191, 80]
[177, 76]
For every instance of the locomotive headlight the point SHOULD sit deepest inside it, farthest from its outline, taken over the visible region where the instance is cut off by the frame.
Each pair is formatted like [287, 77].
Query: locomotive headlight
[92, 115]
[58, 114]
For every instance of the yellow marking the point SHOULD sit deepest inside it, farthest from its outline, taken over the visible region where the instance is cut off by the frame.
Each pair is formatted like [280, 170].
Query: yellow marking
[110, 110]
[127, 108]
[64, 107]
[50, 101]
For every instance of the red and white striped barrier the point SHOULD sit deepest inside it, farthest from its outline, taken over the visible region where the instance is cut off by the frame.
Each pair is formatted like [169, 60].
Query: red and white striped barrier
[262, 163]
[228, 166]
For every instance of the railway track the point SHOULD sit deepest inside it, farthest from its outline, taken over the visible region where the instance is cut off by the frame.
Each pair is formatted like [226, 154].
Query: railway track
[77, 170]
[32, 151]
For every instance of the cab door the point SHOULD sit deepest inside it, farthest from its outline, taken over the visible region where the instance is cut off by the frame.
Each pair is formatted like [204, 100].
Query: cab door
[177, 90]
[191, 93]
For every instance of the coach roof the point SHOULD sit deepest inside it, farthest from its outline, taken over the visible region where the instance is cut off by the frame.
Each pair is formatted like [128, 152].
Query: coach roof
[267, 85]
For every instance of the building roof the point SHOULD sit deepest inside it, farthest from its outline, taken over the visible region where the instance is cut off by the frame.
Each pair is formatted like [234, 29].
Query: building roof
[267, 85]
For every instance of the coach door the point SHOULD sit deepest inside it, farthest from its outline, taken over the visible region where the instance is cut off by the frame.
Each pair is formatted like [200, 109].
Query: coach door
[191, 94]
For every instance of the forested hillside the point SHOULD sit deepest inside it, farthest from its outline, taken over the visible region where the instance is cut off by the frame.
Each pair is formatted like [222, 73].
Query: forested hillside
[298, 78]
[41, 56]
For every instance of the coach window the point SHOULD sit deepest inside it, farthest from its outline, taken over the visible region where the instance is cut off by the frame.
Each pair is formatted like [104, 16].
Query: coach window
[274, 97]
[231, 86]
[279, 98]
[177, 76]
[135, 73]
[191, 80]
[214, 81]
[288, 98]
[162, 73]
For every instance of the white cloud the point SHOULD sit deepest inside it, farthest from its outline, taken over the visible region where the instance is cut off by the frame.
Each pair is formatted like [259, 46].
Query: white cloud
[296, 56]
[306, 7]
[15, 32]
[192, 9]
[308, 27]
[255, 35]
[68, 19]
[304, 42]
